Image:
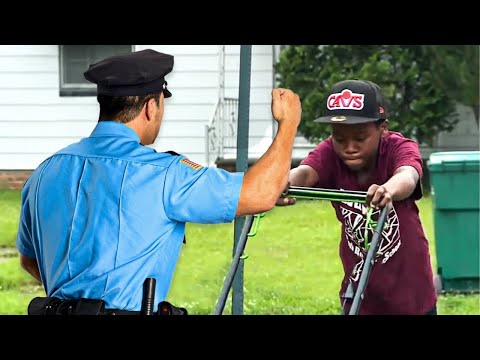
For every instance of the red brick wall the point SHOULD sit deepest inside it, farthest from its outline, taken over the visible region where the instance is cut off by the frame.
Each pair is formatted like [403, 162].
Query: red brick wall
[13, 179]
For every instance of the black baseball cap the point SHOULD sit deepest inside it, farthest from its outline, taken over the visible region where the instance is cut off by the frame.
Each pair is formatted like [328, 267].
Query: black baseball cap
[133, 74]
[354, 102]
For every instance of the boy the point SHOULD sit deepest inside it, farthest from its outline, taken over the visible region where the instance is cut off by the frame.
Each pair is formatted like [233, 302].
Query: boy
[361, 154]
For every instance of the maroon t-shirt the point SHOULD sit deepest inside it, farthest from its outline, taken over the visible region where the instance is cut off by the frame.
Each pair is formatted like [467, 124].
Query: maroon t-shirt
[401, 280]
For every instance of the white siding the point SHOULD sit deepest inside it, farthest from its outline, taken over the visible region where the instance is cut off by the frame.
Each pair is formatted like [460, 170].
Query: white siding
[32, 114]
[35, 121]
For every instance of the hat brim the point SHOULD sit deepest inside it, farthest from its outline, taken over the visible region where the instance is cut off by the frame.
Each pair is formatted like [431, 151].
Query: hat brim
[344, 119]
[166, 93]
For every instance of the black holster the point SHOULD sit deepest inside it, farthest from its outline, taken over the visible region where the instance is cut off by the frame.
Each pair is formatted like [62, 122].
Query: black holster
[165, 308]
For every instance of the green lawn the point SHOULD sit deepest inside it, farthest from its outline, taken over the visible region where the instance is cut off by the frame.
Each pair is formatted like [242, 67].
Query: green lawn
[292, 267]
[9, 212]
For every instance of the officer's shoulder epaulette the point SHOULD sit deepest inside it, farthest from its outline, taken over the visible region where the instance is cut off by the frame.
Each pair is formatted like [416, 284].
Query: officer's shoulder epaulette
[172, 153]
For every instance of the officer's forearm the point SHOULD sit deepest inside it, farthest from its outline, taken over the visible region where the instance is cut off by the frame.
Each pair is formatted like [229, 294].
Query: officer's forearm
[266, 179]
[31, 266]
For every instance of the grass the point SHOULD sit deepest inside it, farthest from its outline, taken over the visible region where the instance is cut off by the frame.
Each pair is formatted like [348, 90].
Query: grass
[17, 287]
[293, 265]
[284, 273]
[9, 216]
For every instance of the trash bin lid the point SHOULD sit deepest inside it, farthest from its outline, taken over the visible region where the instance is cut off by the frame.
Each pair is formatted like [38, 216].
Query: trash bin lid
[454, 161]
[454, 157]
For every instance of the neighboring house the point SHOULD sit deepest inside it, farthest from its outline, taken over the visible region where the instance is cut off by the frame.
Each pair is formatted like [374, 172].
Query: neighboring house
[46, 104]
[465, 135]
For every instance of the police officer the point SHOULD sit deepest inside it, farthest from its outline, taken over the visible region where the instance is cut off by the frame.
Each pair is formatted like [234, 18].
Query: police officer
[103, 214]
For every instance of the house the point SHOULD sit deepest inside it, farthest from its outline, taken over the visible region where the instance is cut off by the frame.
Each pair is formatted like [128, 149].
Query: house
[46, 104]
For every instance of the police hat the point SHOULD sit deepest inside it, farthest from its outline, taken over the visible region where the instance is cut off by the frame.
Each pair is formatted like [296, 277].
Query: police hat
[133, 74]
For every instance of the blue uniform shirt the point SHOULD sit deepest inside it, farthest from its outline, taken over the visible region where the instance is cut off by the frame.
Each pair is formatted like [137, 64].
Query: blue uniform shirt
[104, 214]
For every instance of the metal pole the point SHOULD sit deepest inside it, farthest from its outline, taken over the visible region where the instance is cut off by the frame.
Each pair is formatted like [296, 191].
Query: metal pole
[242, 163]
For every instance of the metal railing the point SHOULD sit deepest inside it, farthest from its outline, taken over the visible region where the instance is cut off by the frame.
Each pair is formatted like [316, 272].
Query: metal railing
[221, 132]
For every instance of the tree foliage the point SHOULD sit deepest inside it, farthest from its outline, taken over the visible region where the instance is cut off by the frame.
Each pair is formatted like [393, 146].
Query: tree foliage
[418, 106]
[457, 69]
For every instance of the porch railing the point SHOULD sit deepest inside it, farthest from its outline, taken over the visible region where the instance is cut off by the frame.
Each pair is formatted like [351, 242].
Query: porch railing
[221, 132]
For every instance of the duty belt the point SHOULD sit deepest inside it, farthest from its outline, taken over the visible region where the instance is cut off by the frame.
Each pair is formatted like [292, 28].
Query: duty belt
[56, 306]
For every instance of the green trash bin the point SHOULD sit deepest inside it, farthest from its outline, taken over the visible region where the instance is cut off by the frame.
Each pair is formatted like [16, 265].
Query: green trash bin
[454, 179]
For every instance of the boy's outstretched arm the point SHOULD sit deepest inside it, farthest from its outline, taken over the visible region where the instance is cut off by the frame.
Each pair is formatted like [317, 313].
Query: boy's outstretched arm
[400, 186]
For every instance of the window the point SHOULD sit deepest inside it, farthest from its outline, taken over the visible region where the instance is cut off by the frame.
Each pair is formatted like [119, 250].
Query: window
[75, 60]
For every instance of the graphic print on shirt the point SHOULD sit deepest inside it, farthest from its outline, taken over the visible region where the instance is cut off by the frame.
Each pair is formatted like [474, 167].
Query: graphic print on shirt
[355, 223]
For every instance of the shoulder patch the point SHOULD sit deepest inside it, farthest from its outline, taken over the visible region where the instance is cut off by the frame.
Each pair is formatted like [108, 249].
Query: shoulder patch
[190, 163]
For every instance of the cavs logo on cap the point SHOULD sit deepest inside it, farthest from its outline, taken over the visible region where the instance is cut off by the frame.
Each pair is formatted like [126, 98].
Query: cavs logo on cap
[345, 100]
[190, 163]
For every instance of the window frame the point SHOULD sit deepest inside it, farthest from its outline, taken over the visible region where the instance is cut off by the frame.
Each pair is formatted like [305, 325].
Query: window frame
[75, 89]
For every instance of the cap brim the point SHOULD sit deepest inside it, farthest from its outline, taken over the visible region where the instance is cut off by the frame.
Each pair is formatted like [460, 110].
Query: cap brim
[166, 93]
[342, 119]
